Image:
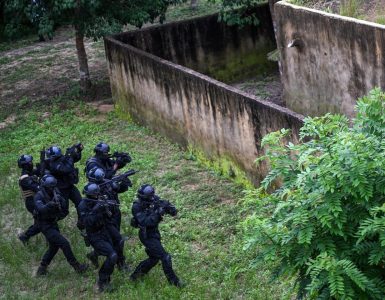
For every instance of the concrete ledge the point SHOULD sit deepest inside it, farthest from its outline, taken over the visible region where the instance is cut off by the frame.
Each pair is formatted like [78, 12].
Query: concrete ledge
[194, 109]
[338, 60]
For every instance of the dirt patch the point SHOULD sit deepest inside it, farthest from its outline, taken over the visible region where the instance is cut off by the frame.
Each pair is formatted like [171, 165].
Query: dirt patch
[199, 248]
[103, 108]
[10, 120]
[226, 201]
[49, 70]
[267, 87]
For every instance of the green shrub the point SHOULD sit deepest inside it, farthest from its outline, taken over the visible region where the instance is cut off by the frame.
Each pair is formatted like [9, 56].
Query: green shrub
[325, 220]
[349, 8]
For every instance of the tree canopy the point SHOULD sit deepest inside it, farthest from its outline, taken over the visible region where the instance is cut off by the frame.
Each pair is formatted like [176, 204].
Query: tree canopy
[239, 12]
[90, 18]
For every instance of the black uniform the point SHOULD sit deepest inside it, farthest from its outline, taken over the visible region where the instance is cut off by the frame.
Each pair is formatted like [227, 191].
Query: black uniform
[95, 217]
[107, 164]
[147, 216]
[110, 192]
[63, 169]
[47, 217]
[29, 186]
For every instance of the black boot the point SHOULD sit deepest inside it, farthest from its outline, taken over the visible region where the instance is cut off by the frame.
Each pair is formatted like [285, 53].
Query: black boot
[93, 257]
[135, 276]
[80, 268]
[178, 283]
[23, 238]
[123, 266]
[104, 286]
[41, 271]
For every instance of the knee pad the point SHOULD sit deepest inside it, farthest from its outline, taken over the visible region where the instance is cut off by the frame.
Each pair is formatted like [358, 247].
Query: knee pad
[167, 259]
[113, 258]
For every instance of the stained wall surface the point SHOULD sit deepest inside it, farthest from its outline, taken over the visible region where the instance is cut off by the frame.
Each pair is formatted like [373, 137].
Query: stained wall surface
[226, 53]
[191, 108]
[338, 59]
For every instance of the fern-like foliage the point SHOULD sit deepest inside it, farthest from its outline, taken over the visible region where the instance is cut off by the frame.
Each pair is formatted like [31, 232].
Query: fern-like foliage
[324, 205]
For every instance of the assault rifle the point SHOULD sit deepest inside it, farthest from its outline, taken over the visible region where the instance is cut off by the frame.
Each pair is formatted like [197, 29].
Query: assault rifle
[57, 198]
[106, 205]
[122, 158]
[164, 207]
[118, 178]
[42, 165]
[76, 148]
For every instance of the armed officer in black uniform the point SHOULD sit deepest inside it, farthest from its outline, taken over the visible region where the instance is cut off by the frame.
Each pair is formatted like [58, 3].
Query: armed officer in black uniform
[62, 167]
[148, 212]
[29, 185]
[109, 190]
[110, 166]
[51, 207]
[95, 215]
[104, 160]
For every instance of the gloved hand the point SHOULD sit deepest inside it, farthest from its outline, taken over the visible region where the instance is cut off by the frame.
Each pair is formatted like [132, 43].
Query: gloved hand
[160, 211]
[120, 162]
[52, 206]
[172, 211]
[79, 147]
[126, 181]
[99, 207]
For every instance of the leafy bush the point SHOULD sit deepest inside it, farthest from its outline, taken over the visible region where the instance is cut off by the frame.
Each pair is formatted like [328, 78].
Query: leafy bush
[239, 12]
[324, 202]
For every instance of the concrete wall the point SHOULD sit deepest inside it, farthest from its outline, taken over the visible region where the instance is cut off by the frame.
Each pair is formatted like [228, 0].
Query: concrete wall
[339, 59]
[193, 109]
[226, 53]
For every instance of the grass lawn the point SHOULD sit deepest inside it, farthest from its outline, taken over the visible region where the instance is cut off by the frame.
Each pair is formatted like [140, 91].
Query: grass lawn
[204, 239]
[40, 106]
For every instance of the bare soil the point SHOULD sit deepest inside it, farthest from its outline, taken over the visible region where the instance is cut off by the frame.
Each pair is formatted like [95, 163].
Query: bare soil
[49, 70]
[267, 87]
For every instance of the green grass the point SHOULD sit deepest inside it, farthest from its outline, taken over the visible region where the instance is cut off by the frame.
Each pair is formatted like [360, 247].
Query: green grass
[184, 11]
[24, 41]
[204, 239]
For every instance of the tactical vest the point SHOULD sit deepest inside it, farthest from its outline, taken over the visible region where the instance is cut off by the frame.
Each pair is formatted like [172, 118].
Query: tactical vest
[25, 193]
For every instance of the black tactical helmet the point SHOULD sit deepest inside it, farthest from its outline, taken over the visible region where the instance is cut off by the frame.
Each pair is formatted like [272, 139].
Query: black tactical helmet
[96, 174]
[48, 181]
[24, 160]
[91, 189]
[53, 152]
[102, 148]
[146, 192]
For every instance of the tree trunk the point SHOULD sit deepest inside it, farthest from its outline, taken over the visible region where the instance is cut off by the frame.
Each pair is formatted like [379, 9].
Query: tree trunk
[194, 4]
[85, 81]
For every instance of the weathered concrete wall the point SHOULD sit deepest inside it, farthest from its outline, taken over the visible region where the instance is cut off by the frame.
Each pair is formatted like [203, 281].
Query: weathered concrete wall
[339, 59]
[226, 53]
[193, 109]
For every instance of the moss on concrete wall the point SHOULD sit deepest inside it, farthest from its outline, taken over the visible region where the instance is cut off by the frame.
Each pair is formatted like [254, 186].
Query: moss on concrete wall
[226, 53]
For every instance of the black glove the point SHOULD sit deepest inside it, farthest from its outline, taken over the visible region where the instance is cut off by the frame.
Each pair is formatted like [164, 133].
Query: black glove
[80, 225]
[172, 211]
[160, 211]
[120, 162]
[127, 182]
[52, 206]
[79, 147]
[99, 207]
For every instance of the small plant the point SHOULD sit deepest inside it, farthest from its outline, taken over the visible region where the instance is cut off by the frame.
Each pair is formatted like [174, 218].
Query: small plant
[324, 201]
[349, 8]
[23, 101]
[380, 20]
